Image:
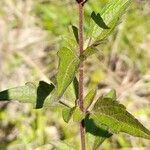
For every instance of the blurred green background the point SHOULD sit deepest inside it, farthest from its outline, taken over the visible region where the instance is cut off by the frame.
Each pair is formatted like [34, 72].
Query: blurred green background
[31, 33]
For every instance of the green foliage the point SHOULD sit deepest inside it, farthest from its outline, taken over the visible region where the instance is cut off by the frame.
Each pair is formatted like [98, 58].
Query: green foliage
[99, 20]
[75, 32]
[67, 113]
[88, 52]
[111, 94]
[78, 115]
[109, 112]
[75, 113]
[89, 98]
[30, 93]
[107, 20]
[96, 134]
[68, 64]
[71, 94]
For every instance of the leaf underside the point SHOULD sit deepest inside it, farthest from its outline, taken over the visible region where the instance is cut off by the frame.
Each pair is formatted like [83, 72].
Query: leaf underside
[114, 115]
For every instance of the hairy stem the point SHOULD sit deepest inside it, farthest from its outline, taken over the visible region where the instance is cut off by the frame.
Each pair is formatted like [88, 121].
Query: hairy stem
[82, 128]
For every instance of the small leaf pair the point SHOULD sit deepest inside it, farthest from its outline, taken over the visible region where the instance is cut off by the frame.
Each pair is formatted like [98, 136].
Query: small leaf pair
[75, 113]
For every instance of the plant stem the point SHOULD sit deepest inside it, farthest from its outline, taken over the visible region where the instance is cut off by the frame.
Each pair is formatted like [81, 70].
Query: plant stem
[82, 128]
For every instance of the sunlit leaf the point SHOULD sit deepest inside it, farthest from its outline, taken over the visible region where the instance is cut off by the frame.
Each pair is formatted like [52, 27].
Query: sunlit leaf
[114, 115]
[67, 113]
[111, 94]
[68, 64]
[109, 15]
[88, 52]
[76, 87]
[89, 98]
[30, 93]
[68, 40]
[78, 115]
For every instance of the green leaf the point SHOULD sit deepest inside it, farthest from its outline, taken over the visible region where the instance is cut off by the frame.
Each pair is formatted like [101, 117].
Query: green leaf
[95, 134]
[67, 113]
[68, 40]
[68, 64]
[78, 115]
[76, 87]
[88, 52]
[111, 94]
[99, 20]
[30, 93]
[114, 115]
[89, 98]
[71, 94]
[75, 32]
[109, 15]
